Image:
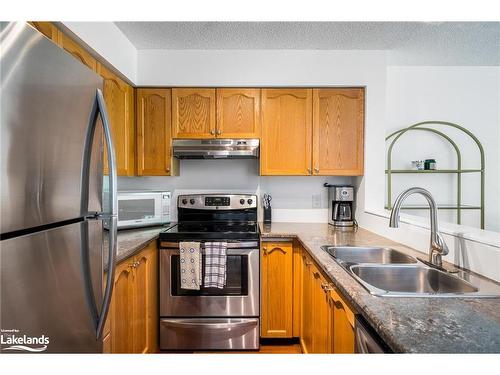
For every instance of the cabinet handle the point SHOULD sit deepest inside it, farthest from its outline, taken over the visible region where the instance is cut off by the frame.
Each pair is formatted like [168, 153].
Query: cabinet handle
[316, 275]
[218, 132]
[132, 265]
[212, 132]
[326, 287]
[276, 248]
[264, 250]
[316, 170]
[309, 170]
[167, 169]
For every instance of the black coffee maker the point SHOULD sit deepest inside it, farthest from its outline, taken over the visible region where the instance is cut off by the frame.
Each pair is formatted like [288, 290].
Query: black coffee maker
[341, 205]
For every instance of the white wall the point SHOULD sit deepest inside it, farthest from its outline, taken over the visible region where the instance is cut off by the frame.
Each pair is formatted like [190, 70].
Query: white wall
[467, 96]
[292, 196]
[109, 43]
[312, 68]
[414, 94]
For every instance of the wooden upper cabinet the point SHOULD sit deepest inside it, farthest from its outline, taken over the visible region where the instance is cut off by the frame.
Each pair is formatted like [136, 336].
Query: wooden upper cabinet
[119, 97]
[154, 141]
[48, 29]
[277, 289]
[78, 52]
[238, 113]
[193, 113]
[286, 132]
[338, 126]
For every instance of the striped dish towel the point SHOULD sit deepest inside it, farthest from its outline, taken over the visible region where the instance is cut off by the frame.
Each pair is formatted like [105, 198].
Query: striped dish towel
[190, 265]
[215, 264]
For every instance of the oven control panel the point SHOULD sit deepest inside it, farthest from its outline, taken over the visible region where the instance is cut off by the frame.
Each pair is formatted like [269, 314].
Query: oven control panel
[217, 201]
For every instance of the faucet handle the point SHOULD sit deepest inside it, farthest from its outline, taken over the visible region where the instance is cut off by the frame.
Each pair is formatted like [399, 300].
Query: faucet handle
[441, 245]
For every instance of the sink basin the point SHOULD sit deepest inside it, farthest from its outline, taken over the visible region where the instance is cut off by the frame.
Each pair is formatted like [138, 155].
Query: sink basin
[357, 255]
[409, 280]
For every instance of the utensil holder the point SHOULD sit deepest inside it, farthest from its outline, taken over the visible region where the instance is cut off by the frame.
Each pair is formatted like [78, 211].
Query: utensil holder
[267, 215]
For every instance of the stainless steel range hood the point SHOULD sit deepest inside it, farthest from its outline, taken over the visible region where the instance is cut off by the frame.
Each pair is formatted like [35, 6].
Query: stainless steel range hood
[216, 148]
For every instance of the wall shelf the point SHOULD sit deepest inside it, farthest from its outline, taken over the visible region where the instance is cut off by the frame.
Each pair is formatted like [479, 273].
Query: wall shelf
[441, 207]
[458, 171]
[434, 171]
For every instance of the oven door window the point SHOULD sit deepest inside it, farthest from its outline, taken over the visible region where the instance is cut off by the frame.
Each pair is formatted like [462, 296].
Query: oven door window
[136, 209]
[236, 278]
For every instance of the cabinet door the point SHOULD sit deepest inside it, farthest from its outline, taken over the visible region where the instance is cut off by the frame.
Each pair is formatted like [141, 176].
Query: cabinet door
[320, 310]
[122, 310]
[193, 113]
[306, 328]
[78, 52]
[106, 344]
[276, 289]
[154, 141]
[48, 29]
[238, 113]
[338, 127]
[297, 288]
[119, 98]
[145, 319]
[343, 326]
[286, 132]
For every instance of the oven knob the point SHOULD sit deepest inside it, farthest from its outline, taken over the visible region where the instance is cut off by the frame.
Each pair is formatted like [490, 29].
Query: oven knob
[250, 201]
[184, 201]
[242, 201]
[191, 201]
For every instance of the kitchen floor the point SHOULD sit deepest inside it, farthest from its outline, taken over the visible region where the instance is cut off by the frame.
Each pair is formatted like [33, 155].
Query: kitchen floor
[266, 349]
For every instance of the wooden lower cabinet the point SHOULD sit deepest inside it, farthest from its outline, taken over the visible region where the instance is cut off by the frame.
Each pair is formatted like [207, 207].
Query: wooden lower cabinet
[342, 325]
[306, 328]
[134, 306]
[277, 289]
[327, 320]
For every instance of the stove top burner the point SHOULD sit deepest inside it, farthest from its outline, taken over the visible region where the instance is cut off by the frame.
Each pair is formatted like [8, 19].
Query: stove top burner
[211, 230]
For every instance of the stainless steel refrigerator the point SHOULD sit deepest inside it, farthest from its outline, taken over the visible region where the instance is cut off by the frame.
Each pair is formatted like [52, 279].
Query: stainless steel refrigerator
[53, 124]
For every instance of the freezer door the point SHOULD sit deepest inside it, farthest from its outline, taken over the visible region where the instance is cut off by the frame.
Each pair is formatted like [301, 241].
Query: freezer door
[47, 99]
[45, 293]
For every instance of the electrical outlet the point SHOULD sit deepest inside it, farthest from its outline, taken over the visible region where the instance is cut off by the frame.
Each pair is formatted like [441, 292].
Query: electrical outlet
[316, 200]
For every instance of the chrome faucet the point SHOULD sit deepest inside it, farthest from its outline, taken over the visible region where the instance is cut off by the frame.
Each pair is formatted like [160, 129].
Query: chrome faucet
[437, 246]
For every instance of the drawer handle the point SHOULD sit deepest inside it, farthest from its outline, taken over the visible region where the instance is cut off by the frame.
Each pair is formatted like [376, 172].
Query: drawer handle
[316, 275]
[210, 325]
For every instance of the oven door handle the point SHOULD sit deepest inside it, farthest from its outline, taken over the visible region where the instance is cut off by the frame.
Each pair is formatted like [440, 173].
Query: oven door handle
[228, 251]
[230, 245]
[210, 325]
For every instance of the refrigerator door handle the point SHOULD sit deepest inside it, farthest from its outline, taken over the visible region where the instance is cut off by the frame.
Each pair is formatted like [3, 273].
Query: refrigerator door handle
[99, 108]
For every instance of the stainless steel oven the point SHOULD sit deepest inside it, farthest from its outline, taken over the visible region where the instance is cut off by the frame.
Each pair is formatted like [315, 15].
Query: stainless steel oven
[212, 318]
[239, 297]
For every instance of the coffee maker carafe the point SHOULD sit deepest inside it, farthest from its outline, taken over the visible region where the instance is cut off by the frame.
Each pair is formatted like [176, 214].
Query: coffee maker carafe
[341, 205]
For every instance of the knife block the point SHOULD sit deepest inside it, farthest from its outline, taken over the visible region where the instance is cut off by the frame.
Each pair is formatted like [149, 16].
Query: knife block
[267, 215]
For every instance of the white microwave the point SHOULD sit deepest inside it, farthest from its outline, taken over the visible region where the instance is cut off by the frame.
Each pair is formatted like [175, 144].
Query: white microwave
[143, 208]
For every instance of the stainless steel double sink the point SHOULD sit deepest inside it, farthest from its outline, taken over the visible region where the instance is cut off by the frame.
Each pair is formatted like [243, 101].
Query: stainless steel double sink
[387, 272]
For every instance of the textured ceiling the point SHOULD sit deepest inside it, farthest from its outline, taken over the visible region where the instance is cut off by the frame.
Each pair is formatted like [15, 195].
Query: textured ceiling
[310, 35]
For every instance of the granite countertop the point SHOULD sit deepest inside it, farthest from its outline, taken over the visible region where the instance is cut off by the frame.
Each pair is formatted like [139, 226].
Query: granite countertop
[131, 241]
[410, 325]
